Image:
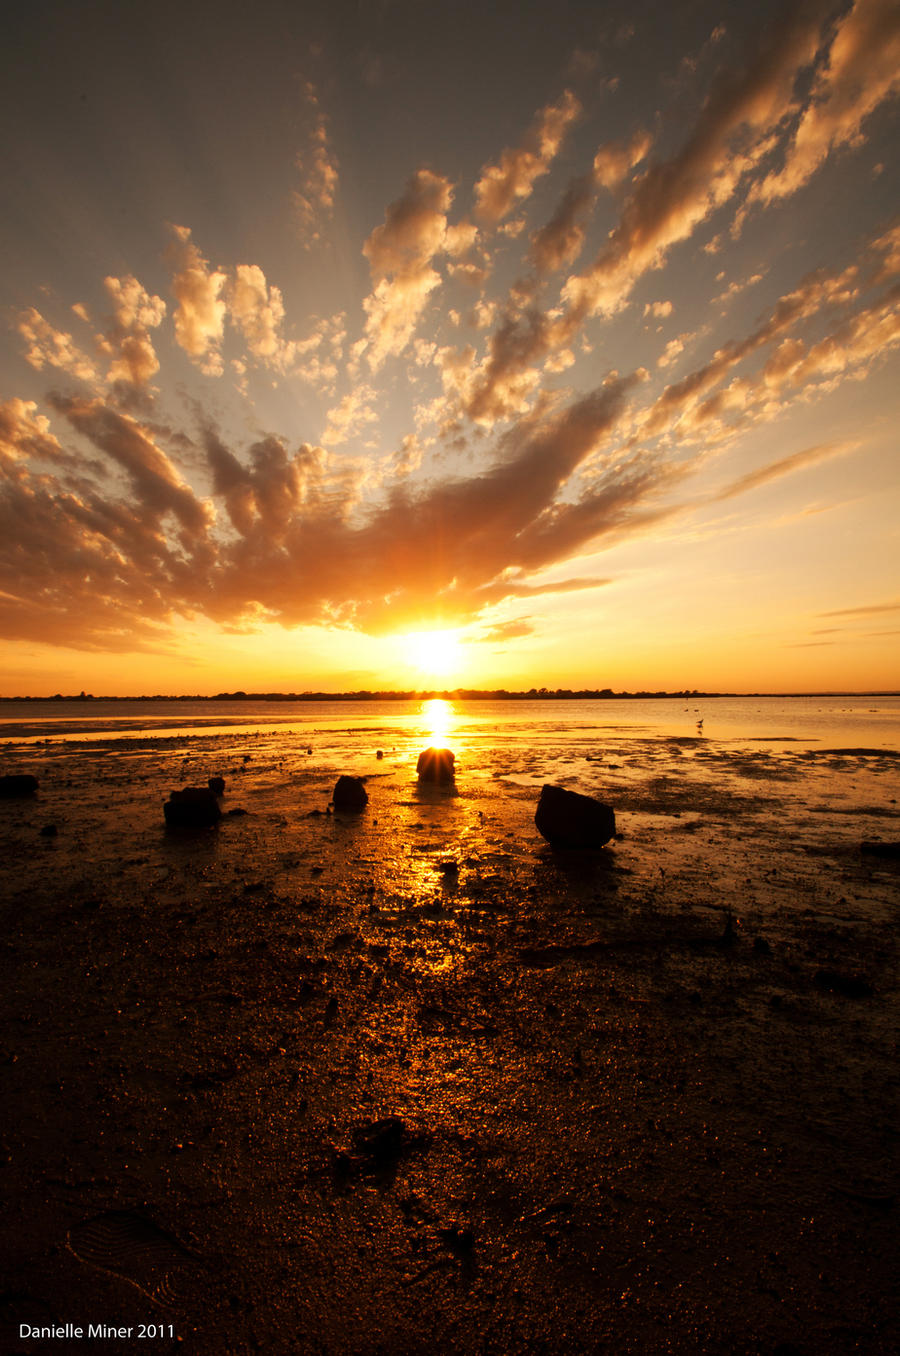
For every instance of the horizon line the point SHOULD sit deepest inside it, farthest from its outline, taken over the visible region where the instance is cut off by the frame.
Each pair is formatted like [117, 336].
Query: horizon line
[448, 694]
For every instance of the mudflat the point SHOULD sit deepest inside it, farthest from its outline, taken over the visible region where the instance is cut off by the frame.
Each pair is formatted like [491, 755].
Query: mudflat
[412, 1080]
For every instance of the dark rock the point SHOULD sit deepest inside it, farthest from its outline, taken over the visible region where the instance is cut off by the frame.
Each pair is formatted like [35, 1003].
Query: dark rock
[217, 785]
[194, 807]
[382, 1142]
[851, 986]
[436, 765]
[49, 831]
[878, 849]
[761, 946]
[18, 784]
[350, 794]
[379, 753]
[568, 819]
[236, 812]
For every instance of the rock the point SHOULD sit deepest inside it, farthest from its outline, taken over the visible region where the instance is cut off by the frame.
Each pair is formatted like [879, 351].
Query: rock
[194, 807]
[878, 849]
[217, 785]
[851, 986]
[379, 753]
[18, 784]
[49, 831]
[350, 794]
[436, 765]
[568, 819]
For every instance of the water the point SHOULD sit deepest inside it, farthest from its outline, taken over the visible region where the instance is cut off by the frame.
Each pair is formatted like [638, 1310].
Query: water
[870, 722]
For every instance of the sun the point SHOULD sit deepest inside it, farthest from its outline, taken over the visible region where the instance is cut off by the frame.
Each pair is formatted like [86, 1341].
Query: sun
[438, 654]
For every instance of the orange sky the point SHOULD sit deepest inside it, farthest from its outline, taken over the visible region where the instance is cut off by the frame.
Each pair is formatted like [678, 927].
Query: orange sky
[560, 353]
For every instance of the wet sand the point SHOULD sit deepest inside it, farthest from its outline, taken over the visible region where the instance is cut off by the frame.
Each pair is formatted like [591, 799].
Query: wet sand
[413, 1081]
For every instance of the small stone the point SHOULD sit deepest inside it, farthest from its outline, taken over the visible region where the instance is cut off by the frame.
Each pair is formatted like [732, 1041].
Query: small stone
[49, 831]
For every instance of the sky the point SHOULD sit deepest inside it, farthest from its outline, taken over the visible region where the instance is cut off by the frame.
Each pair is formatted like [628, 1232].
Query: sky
[397, 344]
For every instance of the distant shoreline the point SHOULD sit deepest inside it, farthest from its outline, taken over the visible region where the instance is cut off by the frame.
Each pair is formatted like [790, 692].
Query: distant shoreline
[445, 694]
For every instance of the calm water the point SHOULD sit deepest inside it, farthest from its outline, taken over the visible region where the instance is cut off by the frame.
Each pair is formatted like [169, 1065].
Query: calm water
[804, 722]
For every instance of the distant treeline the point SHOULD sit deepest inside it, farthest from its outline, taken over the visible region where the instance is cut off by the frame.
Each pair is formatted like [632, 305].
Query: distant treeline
[446, 694]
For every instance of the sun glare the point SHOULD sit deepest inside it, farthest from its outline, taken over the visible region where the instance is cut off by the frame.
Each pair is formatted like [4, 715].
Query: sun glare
[434, 653]
[438, 717]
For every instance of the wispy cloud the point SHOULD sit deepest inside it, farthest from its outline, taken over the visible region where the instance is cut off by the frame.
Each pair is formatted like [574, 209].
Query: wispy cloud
[809, 456]
[318, 165]
[861, 71]
[503, 186]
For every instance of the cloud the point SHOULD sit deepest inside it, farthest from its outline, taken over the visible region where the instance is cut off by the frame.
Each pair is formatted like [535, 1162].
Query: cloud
[128, 343]
[504, 631]
[400, 255]
[314, 201]
[862, 70]
[50, 347]
[296, 544]
[732, 134]
[862, 611]
[681, 405]
[258, 311]
[200, 314]
[504, 185]
[560, 241]
[658, 309]
[615, 160]
[809, 456]
[24, 435]
[350, 416]
[155, 480]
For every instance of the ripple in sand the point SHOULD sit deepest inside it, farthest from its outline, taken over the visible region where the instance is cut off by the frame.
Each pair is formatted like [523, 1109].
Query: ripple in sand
[132, 1247]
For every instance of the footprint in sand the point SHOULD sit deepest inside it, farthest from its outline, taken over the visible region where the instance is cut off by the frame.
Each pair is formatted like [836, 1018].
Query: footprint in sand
[131, 1246]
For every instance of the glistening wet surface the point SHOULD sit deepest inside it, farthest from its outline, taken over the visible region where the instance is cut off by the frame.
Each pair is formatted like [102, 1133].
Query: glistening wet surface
[414, 1080]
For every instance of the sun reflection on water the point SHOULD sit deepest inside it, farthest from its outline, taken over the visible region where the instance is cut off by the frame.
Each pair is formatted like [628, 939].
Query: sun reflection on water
[438, 716]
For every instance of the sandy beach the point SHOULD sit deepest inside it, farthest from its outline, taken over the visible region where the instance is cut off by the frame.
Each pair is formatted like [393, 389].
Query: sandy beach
[412, 1080]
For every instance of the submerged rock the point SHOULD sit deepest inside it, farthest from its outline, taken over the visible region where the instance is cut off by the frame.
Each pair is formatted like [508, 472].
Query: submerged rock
[436, 765]
[18, 784]
[568, 819]
[194, 807]
[350, 794]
